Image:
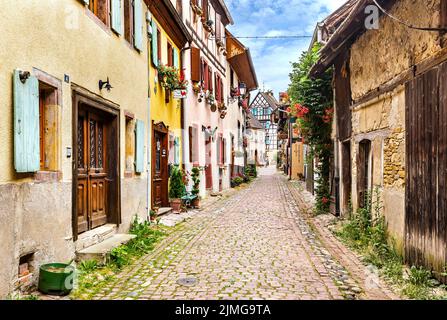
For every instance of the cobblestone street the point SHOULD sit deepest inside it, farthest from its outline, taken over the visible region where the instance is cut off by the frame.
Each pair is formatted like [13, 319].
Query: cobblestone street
[252, 245]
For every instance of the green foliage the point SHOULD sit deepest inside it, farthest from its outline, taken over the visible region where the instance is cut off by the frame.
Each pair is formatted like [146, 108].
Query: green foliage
[237, 181]
[195, 175]
[366, 232]
[251, 171]
[19, 296]
[176, 184]
[316, 95]
[171, 78]
[88, 265]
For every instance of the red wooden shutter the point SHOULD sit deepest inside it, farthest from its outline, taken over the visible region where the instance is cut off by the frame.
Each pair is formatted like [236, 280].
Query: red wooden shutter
[205, 9]
[221, 91]
[195, 64]
[195, 140]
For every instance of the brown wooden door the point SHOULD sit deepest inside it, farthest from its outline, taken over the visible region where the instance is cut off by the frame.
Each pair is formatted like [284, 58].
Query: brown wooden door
[208, 167]
[92, 185]
[160, 176]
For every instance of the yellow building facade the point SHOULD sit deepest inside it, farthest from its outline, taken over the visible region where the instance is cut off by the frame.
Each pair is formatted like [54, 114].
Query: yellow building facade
[168, 38]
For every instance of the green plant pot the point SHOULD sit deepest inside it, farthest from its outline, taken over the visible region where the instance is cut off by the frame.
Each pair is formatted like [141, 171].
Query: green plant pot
[56, 279]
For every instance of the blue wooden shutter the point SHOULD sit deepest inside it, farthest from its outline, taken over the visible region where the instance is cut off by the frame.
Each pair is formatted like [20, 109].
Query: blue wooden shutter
[139, 150]
[154, 48]
[116, 16]
[176, 58]
[26, 124]
[138, 23]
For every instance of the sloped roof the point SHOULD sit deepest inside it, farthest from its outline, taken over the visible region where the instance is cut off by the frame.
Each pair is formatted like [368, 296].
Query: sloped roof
[253, 123]
[349, 25]
[271, 100]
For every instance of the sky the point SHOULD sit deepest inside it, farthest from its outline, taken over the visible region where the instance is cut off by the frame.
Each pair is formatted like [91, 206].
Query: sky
[272, 57]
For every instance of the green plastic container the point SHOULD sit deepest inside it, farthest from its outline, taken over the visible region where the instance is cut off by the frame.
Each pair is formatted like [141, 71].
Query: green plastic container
[56, 279]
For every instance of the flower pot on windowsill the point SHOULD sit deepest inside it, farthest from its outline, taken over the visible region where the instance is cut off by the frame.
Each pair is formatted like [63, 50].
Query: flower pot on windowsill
[176, 205]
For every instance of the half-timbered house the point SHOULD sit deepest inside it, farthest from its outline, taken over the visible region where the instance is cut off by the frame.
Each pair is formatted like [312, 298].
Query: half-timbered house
[262, 108]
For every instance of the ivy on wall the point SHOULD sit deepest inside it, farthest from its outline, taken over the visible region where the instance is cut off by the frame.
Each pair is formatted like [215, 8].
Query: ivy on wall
[312, 102]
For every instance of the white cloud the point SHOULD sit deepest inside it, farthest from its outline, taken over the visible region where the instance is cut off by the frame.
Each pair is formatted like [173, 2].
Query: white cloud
[272, 57]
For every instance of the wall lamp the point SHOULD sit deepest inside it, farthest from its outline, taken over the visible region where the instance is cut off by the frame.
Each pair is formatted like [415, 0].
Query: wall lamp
[105, 84]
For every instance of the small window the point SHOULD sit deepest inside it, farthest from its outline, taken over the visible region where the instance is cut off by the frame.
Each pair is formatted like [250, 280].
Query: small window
[129, 21]
[170, 55]
[130, 144]
[159, 44]
[100, 8]
[48, 125]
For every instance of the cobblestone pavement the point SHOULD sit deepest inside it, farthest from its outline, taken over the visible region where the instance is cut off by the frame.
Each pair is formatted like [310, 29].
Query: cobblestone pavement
[252, 245]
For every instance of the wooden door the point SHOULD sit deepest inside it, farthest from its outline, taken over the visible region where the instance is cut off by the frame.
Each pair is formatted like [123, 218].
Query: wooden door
[208, 167]
[160, 175]
[363, 171]
[92, 173]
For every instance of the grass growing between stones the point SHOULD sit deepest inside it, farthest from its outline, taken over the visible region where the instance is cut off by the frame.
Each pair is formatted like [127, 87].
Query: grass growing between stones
[366, 233]
[92, 277]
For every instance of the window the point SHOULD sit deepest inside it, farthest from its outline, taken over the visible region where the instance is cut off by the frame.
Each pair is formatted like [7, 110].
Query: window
[128, 21]
[159, 44]
[130, 145]
[48, 125]
[170, 55]
[193, 145]
[100, 8]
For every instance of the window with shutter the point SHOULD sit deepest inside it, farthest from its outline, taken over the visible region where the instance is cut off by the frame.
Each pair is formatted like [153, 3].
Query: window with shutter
[154, 43]
[195, 64]
[210, 79]
[139, 146]
[116, 16]
[26, 124]
[138, 24]
[176, 58]
[170, 55]
[130, 145]
[128, 20]
[100, 8]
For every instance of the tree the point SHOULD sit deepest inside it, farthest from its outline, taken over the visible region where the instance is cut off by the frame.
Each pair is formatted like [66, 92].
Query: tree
[312, 102]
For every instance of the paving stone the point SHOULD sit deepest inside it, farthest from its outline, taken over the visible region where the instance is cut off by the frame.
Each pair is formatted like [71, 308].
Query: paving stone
[251, 244]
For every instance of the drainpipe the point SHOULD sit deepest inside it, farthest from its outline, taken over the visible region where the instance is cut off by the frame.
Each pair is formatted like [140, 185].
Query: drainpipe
[182, 110]
[148, 169]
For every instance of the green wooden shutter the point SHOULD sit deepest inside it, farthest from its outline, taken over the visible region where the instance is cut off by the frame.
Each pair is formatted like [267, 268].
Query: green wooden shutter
[139, 150]
[138, 23]
[154, 43]
[176, 58]
[116, 16]
[26, 124]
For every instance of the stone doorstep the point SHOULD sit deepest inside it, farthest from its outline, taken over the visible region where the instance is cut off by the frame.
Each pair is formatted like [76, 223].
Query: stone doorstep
[95, 236]
[100, 251]
[164, 211]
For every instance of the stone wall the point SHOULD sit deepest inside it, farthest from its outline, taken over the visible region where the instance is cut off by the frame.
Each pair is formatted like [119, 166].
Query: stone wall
[378, 56]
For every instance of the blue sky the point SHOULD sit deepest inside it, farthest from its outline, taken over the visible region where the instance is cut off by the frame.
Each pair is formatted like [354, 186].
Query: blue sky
[272, 57]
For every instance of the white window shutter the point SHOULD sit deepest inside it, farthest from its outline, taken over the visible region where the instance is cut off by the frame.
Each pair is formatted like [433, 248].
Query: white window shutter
[138, 22]
[117, 24]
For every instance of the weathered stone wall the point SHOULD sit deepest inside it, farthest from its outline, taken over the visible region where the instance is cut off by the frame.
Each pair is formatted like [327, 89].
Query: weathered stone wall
[379, 55]
[382, 121]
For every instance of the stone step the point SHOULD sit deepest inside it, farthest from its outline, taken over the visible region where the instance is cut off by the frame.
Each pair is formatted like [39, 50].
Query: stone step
[164, 211]
[100, 251]
[95, 236]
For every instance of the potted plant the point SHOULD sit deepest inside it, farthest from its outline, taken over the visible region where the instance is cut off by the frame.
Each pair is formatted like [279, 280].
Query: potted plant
[176, 188]
[195, 176]
[171, 78]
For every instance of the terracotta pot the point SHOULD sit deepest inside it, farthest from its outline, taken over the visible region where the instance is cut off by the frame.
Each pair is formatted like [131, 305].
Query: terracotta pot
[176, 205]
[196, 203]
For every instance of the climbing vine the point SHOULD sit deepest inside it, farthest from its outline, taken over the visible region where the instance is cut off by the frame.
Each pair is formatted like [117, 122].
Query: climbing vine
[312, 107]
